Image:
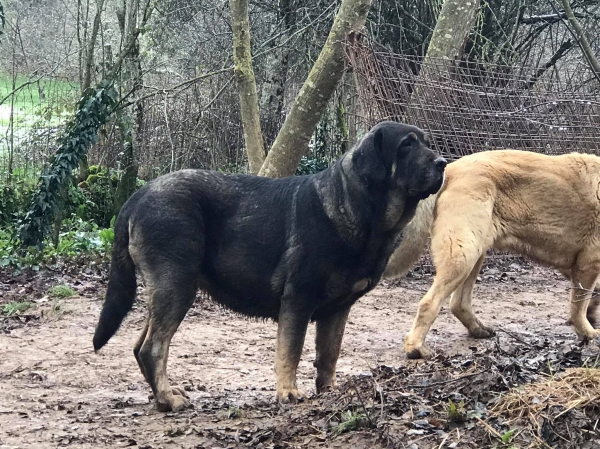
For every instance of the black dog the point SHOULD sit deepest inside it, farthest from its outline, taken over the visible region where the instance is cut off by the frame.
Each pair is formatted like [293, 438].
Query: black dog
[294, 249]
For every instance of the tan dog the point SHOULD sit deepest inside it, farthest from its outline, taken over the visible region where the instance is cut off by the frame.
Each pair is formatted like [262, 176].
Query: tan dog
[543, 207]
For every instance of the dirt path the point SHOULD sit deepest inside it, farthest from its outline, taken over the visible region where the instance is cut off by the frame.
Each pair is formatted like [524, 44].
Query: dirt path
[56, 392]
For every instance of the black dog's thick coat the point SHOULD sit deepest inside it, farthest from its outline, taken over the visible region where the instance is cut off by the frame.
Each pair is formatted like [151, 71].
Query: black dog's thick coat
[291, 249]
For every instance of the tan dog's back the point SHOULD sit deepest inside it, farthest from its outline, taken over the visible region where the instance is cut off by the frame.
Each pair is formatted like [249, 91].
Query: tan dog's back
[544, 207]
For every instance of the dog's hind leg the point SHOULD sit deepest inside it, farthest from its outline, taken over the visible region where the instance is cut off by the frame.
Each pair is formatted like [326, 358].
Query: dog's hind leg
[460, 305]
[330, 332]
[455, 252]
[169, 302]
[427, 312]
[592, 310]
[583, 280]
[136, 353]
[138, 346]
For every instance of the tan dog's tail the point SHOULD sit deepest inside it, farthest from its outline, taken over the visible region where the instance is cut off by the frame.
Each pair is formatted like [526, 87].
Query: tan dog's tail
[414, 240]
[122, 285]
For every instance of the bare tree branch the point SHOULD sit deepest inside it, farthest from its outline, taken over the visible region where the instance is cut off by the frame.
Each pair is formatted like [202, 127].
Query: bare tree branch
[582, 39]
[563, 49]
[87, 77]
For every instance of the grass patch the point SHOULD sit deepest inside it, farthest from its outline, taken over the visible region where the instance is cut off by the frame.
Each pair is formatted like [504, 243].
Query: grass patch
[456, 412]
[61, 291]
[34, 91]
[351, 420]
[15, 307]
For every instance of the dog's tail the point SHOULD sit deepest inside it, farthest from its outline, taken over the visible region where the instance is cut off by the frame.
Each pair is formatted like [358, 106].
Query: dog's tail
[120, 294]
[414, 240]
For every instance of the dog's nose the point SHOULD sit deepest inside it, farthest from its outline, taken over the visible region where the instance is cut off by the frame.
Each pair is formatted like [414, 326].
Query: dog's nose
[440, 162]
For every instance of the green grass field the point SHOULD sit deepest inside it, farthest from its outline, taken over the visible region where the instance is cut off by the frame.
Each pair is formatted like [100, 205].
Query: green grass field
[37, 106]
[44, 98]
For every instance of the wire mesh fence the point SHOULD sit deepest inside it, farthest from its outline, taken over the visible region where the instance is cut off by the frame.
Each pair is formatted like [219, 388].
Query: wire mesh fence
[468, 106]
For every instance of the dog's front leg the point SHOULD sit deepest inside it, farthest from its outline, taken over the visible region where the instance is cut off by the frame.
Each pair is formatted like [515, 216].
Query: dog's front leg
[291, 330]
[330, 332]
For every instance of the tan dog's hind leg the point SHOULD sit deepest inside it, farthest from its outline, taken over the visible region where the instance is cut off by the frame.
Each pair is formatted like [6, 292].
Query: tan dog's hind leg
[458, 241]
[429, 308]
[460, 305]
[583, 282]
[328, 341]
[592, 309]
[291, 331]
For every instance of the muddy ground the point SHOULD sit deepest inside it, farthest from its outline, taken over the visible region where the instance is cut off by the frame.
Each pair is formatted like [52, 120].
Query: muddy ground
[56, 392]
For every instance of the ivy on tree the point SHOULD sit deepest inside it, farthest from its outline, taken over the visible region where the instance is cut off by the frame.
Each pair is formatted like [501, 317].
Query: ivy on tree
[81, 132]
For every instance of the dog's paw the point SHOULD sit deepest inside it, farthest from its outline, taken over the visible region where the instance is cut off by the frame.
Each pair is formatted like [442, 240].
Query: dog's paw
[482, 332]
[177, 391]
[174, 403]
[415, 349]
[418, 352]
[323, 387]
[589, 336]
[325, 383]
[290, 395]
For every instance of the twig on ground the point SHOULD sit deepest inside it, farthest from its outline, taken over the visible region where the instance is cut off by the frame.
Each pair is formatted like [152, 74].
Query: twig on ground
[510, 334]
[443, 441]
[444, 382]
[488, 427]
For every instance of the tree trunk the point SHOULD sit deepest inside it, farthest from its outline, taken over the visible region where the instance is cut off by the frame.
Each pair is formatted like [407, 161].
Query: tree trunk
[131, 77]
[582, 39]
[273, 89]
[244, 74]
[84, 167]
[447, 44]
[127, 183]
[294, 136]
[455, 22]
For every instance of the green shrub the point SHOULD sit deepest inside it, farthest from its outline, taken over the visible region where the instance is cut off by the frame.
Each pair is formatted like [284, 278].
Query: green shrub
[15, 307]
[82, 239]
[61, 291]
[98, 198]
[14, 200]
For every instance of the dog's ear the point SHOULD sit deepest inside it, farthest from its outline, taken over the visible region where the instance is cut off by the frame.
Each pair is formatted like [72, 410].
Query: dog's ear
[368, 158]
[408, 139]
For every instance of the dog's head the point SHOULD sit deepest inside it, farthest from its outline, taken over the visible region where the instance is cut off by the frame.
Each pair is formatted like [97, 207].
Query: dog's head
[397, 156]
